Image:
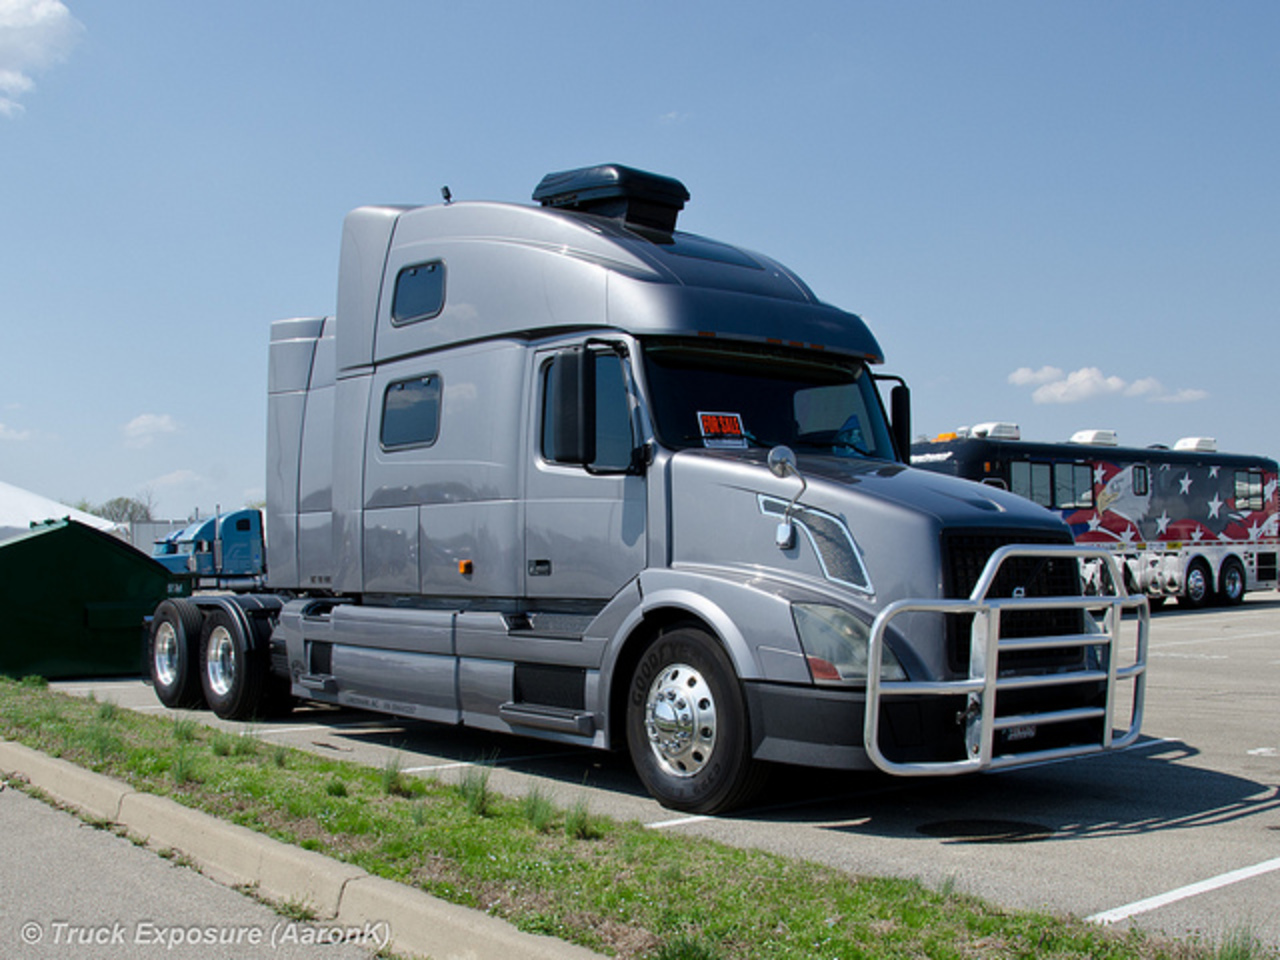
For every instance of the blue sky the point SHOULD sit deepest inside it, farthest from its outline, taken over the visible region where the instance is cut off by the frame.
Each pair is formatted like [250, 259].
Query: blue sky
[1062, 214]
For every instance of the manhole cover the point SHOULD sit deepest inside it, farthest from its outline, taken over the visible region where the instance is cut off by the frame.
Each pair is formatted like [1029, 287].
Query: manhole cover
[986, 831]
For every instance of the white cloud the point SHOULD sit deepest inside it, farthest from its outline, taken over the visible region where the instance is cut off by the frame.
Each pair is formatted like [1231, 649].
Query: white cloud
[1146, 387]
[34, 34]
[1055, 386]
[8, 433]
[1083, 384]
[144, 428]
[1025, 376]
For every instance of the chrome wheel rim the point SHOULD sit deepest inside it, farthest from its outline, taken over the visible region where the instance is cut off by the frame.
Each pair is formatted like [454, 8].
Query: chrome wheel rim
[221, 658]
[1197, 585]
[1234, 583]
[165, 655]
[680, 720]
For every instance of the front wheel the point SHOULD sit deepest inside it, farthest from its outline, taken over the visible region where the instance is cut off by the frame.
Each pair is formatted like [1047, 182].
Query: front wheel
[687, 725]
[232, 673]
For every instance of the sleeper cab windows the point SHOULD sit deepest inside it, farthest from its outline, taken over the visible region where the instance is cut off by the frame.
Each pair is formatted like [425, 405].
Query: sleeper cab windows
[419, 293]
[411, 412]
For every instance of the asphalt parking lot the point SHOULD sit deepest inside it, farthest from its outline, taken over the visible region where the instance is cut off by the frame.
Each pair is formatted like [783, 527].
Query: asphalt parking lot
[1178, 834]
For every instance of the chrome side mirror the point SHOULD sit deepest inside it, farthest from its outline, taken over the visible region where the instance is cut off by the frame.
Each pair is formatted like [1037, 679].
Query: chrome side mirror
[782, 463]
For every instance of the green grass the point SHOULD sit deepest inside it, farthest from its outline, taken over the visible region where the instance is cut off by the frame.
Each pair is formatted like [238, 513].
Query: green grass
[538, 809]
[614, 887]
[474, 788]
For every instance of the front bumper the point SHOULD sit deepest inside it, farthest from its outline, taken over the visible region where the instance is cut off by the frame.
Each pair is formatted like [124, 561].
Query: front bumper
[1024, 700]
[1114, 655]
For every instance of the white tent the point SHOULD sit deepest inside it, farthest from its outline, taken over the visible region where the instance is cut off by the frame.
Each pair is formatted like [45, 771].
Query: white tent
[20, 508]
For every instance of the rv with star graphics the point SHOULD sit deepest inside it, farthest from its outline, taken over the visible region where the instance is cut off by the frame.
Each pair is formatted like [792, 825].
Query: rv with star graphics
[1189, 522]
[565, 471]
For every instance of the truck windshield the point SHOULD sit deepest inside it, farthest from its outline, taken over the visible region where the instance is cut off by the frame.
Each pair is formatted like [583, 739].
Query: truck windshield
[727, 396]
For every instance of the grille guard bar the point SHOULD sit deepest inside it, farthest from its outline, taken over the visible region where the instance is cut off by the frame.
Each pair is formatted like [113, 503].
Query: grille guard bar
[985, 678]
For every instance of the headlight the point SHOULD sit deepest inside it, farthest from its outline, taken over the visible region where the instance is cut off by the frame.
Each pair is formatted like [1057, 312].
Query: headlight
[835, 645]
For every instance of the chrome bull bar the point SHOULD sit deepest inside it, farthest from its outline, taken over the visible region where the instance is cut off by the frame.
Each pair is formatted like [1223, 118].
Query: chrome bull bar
[986, 677]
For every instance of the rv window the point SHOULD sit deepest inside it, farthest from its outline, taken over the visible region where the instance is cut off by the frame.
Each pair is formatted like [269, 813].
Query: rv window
[1249, 490]
[411, 412]
[1073, 486]
[419, 293]
[1033, 481]
[1141, 482]
[614, 441]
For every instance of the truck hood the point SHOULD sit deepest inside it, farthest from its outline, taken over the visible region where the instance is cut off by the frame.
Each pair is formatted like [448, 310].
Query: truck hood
[949, 500]
[870, 529]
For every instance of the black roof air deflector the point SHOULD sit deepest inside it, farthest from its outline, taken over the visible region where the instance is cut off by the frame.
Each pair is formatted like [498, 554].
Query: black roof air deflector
[612, 190]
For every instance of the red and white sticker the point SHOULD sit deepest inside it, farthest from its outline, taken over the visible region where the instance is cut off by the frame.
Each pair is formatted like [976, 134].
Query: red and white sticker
[723, 431]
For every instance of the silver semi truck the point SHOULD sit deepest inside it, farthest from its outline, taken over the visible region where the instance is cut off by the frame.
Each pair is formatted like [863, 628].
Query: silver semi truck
[566, 471]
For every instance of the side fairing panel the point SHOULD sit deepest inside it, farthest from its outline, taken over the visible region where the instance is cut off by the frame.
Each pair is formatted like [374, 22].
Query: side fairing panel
[292, 370]
[430, 506]
[351, 401]
[486, 533]
[284, 440]
[366, 235]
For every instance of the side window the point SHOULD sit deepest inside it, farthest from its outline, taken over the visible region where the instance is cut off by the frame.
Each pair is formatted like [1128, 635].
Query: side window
[411, 412]
[613, 436]
[1249, 490]
[614, 442]
[419, 293]
[1033, 481]
[1073, 485]
[1141, 481]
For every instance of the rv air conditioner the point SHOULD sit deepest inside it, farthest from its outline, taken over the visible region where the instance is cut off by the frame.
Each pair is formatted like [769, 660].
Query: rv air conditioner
[1096, 438]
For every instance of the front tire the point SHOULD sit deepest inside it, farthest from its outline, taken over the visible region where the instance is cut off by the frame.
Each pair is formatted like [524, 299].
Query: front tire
[687, 725]
[1231, 583]
[232, 673]
[173, 654]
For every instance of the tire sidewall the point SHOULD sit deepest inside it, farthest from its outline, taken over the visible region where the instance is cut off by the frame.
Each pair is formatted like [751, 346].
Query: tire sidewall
[721, 779]
[1231, 590]
[238, 701]
[1193, 602]
[186, 689]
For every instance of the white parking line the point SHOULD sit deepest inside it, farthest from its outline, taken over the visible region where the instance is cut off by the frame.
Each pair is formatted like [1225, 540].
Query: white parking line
[1222, 638]
[660, 824]
[496, 762]
[1182, 893]
[367, 725]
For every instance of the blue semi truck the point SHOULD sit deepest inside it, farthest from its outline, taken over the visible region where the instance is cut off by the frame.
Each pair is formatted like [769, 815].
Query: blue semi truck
[225, 552]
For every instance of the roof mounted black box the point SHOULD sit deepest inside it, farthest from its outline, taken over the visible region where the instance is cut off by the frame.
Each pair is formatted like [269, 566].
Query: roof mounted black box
[612, 190]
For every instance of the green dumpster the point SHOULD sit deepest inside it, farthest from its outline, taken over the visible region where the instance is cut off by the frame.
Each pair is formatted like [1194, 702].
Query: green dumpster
[73, 601]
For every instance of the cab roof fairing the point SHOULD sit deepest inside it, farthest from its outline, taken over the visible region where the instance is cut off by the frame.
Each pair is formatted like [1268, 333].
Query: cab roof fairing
[678, 284]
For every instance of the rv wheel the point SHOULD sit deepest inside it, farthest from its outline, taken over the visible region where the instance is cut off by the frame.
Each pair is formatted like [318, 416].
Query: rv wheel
[174, 654]
[1197, 590]
[687, 724]
[1231, 583]
[231, 672]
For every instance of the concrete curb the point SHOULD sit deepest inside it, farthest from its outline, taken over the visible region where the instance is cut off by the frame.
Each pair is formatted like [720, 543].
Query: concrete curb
[417, 923]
